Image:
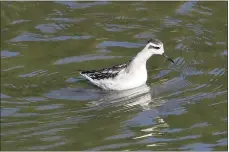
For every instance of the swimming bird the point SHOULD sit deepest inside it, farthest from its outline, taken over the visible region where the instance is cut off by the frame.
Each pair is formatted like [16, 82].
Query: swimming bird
[129, 75]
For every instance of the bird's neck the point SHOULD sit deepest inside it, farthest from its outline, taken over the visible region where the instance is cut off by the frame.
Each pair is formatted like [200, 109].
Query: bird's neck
[143, 56]
[139, 61]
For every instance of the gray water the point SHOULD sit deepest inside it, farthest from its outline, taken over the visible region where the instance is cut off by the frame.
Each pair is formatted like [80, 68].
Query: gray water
[47, 105]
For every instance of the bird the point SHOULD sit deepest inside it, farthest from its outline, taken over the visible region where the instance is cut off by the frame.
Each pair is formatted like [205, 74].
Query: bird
[128, 75]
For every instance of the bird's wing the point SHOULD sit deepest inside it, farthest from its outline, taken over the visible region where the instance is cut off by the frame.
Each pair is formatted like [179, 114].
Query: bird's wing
[106, 72]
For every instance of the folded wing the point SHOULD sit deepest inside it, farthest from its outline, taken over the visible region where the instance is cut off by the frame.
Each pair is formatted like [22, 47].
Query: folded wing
[105, 73]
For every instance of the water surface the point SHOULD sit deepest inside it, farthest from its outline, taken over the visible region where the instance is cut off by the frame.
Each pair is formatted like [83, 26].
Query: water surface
[46, 105]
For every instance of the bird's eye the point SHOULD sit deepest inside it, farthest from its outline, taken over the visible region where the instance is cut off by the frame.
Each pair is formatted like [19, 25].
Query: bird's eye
[155, 47]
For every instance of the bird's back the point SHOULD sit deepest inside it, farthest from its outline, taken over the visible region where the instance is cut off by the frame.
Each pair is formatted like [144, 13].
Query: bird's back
[106, 73]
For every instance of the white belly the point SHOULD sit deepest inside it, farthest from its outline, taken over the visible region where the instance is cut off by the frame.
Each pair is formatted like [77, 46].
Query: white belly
[124, 81]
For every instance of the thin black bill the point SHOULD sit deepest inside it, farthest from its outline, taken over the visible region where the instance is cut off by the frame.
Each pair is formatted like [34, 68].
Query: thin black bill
[168, 58]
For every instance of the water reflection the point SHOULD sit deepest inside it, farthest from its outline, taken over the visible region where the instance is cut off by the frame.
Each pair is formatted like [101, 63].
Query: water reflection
[144, 97]
[144, 104]
[138, 96]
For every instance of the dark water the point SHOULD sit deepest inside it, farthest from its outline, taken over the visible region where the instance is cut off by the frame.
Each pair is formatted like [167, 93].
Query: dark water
[46, 105]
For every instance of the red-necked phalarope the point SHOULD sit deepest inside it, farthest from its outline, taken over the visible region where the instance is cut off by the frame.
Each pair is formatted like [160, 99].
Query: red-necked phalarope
[128, 75]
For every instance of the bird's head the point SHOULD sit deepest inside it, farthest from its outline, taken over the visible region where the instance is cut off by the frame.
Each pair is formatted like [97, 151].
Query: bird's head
[156, 47]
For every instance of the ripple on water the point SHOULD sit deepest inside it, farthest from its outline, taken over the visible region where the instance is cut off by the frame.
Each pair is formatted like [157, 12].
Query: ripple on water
[3, 96]
[19, 21]
[14, 67]
[5, 112]
[35, 99]
[73, 80]
[83, 58]
[186, 8]
[198, 147]
[78, 5]
[8, 54]
[49, 28]
[49, 107]
[66, 20]
[53, 138]
[119, 28]
[32, 74]
[106, 44]
[32, 37]
[63, 23]
[217, 71]
[171, 22]
[76, 94]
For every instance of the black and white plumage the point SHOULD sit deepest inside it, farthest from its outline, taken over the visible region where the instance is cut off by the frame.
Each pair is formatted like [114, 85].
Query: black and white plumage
[128, 75]
[105, 73]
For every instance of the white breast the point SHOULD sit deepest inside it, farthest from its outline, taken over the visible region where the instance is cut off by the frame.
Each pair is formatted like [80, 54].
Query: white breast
[126, 79]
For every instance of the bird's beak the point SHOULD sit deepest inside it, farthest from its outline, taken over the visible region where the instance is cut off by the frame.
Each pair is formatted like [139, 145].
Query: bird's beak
[168, 58]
